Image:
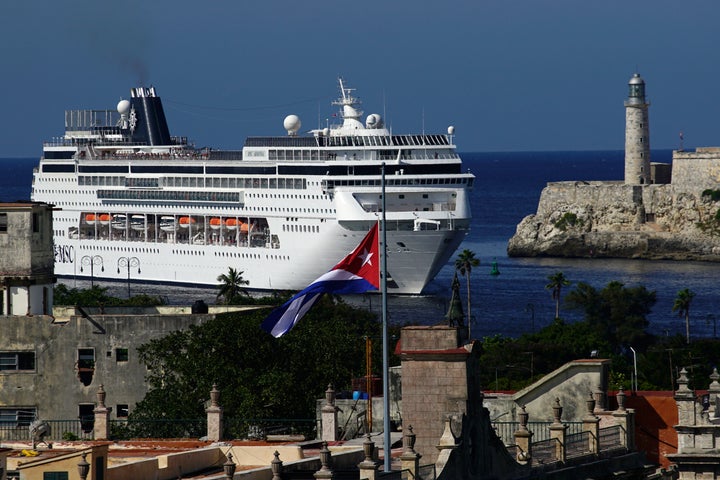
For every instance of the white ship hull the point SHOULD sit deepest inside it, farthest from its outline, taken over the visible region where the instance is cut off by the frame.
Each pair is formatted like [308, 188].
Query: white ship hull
[282, 212]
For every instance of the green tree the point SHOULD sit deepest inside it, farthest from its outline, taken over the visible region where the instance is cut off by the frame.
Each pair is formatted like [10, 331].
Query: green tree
[618, 313]
[682, 306]
[557, 282]
[464, 264]
[231, 286]
[97, 296]
[259, 376]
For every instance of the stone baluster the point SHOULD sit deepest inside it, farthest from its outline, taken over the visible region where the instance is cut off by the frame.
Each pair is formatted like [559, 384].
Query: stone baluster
[325, 472]
[329, 416]
[410, 458]
[685, 400]
[214, 416]
[523, 438]
[101, 428]
[591, 425]
[368, 467]
[558, 431]
[599, 399]
[276, 466]
[714, 393]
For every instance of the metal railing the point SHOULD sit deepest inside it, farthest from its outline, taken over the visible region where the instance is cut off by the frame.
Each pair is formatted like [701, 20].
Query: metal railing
[545, 451]
[577, 444]
[260, 428]
[540, 430]
[158, 428]
[59, 430]
[611, 438]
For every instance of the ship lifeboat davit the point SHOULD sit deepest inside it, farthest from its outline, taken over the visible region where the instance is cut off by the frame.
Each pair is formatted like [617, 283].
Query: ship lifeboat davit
[215, 223]
[119, 221]
[185, 222]
[137, 222]
[104, 218]
[90, 218]
[232, 223]
[167, 223]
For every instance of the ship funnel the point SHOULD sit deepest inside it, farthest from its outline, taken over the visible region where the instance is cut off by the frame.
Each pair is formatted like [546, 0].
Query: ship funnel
[149, 125]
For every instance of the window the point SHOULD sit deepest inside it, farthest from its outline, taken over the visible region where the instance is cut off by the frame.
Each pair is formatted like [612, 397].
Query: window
[17, 417]
[17, 361]
[121, 355]
[87, 416]
[55, 475]
[122, 411]
[85, 365]
[3, 223]
[35, 222]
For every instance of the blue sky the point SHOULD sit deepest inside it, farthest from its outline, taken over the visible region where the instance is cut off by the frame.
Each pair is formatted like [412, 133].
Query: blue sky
[510, 75]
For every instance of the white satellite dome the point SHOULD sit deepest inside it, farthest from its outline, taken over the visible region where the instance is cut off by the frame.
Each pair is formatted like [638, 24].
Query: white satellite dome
[123, 107]
[373, 120]
[292, 124]
[451, 130]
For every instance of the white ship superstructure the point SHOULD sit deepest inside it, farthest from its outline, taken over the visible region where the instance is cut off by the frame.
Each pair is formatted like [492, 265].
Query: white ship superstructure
[134, 202]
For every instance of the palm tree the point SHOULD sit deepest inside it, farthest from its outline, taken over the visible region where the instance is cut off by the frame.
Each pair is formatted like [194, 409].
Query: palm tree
[682, 306]
[557, 282]
[231, 285]
[464, 264]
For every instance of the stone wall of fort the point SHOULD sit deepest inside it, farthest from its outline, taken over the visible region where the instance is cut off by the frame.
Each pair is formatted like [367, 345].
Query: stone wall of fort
[612, 219]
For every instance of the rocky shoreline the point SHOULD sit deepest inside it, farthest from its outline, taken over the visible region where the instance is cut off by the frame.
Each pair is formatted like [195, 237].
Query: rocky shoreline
[614, 220]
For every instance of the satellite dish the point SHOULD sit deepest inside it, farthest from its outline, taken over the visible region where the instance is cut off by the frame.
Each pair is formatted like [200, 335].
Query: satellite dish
[39, 429]
[123, 107]
[292, 124]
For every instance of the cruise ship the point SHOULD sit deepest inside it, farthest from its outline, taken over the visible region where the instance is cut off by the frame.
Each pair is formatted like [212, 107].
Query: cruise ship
[135, 203]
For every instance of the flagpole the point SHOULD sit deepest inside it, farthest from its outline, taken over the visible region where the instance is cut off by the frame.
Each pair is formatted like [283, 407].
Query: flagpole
[387, 446]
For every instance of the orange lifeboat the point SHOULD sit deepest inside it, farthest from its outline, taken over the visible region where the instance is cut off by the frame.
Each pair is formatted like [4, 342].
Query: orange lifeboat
[215, 223]
[104, 218]
[243, 227]
[90, 218]
[185, 222]
[231, 223]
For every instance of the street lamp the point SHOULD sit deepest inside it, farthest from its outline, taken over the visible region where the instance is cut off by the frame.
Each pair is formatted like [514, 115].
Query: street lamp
[531, 308]
[229, 467]
[92, 261]
[128, 262]
[714, 320]
[83, 467]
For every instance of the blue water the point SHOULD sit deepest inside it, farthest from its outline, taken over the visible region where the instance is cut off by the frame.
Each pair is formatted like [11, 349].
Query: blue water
[507, 188]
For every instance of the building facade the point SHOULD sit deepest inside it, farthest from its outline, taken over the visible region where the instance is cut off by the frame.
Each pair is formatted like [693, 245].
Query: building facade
[26, 263]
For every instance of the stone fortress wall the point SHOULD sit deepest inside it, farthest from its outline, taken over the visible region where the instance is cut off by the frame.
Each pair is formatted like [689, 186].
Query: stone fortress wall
[630, 218]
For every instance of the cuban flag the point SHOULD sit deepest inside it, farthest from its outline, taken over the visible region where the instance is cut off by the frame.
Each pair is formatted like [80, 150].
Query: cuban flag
[357, 273]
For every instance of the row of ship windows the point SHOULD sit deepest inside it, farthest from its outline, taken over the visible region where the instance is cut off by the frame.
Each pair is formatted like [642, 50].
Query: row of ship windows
[194, 182]
[200, 253]
[301, 228]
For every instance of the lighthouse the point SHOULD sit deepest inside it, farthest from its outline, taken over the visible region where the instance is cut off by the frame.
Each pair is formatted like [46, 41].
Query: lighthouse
[637, 134]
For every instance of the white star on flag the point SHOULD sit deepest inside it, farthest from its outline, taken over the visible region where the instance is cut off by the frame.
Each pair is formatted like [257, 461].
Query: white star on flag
[366, 257]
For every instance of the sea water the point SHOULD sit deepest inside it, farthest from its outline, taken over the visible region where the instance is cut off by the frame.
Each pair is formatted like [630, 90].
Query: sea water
[507, 188]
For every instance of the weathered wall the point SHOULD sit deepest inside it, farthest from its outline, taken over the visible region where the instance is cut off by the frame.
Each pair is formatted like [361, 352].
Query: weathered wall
[56, 347]
[571, 384]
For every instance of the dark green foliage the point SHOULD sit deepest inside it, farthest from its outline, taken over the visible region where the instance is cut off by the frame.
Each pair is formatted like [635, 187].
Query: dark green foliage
[259, 376]
[230, 289]
[617, 313]
[568, 220]
[97, 296]
[714, 195]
